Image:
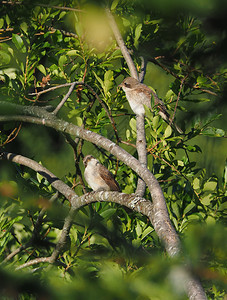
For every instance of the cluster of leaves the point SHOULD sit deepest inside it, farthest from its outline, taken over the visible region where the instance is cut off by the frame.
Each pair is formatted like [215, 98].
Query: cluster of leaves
[113, 251]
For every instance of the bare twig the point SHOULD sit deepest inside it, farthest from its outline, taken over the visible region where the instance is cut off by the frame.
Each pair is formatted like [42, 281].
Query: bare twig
[92, 91]
[156, 62]
[61, 7]
[34, 262]
[178, 98]
[64, 99]
[12, 135]
[121, 44]
[66, 33]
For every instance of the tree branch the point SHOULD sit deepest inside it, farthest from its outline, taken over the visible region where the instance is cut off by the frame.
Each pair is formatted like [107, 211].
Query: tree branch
[153, 211]
[121, 44]
[140, 126]
[161, 221]
[103, 104]
[141, 147]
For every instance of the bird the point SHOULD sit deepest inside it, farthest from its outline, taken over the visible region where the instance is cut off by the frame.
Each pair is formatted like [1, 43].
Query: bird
[139, 94]
[98, 176]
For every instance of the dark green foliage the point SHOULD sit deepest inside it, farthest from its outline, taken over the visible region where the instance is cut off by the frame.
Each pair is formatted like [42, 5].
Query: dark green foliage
[113, 253]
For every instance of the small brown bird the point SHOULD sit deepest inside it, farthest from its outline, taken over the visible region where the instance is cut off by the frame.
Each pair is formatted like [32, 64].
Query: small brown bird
[138, 95]
[97, 176]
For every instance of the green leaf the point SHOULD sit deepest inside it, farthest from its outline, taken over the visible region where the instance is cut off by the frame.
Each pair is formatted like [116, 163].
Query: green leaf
[138, 31]
[108, 81]
[148, 113]
[146, 232]
[168, 131]
[24, 27]
[223, 207]
[155, 122]
[138, 229]
[114, 4]
[206, 199]
[196, 183]
[176, 209]
[42, 69]
[17, 40]
[156, 28]
[194, 148]
[210, 186]
[127, 134]
[4, 58]
[201, 80]
[132, 124]
[72, 52]
[1, 22]
[62, 60]
[7, 20]
[189, 207]
[79, 121]
[62, 14]
[108, 213]
[167, 155]
[215, 132]
[99, 79]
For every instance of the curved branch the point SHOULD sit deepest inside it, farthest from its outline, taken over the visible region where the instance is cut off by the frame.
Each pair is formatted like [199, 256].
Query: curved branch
[161, 221]
[191, 284]
[52, 179]
[72, 85]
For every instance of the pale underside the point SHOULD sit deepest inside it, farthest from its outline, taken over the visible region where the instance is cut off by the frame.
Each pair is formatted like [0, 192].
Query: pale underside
[99, 178]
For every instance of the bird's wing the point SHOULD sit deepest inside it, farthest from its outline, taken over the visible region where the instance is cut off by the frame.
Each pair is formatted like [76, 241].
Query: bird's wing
[142, 88]
[108, 178]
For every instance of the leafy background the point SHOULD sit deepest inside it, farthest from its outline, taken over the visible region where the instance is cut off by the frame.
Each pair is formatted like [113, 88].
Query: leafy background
[114, 253]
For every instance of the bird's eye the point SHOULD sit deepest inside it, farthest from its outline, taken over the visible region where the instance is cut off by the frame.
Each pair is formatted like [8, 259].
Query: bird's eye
[126, 84]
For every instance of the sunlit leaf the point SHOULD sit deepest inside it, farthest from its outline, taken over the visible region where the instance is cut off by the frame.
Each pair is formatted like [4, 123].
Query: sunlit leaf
[42, 69]
[114, 4]
[168, 131]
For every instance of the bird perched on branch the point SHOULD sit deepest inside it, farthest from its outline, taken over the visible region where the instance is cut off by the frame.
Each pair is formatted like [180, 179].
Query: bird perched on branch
[138, 95]
[97, 176]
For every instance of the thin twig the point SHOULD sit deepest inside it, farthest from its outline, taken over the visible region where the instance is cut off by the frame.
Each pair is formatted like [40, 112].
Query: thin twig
[64, 99]
[121, 44]
[156, 62]
[12, 135]
[66, 33]
[178, 98]
[92, 91]
[143, 69]
[61, 7]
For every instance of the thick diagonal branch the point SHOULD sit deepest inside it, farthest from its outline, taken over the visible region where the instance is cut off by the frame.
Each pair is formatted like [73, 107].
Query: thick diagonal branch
[37, 115]
[191, 285]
